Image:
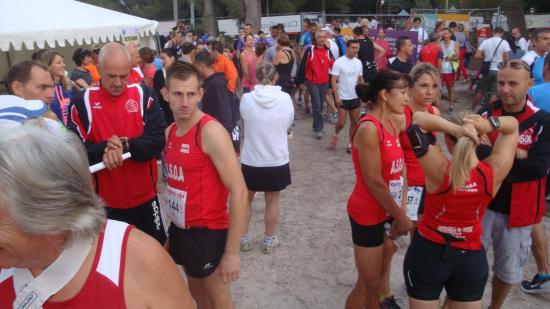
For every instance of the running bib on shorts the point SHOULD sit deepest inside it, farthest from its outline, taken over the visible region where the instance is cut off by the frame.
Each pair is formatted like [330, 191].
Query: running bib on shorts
[396, 190]
[414, 197]
[176, 200]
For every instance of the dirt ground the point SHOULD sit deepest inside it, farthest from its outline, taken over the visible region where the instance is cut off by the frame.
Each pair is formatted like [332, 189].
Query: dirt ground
[314, 266]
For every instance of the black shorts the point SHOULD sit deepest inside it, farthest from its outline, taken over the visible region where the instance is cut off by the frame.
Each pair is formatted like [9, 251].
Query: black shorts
[198, 250]
[369, 235]
[350, 104]
[463, 274]
[266, 179]
[146, 217]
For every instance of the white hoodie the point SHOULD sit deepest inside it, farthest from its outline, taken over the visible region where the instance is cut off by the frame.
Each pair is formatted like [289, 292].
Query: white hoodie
[267, 114]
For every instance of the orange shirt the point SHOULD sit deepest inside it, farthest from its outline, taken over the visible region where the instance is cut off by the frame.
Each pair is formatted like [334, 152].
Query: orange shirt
[227, 67]
[92, 68]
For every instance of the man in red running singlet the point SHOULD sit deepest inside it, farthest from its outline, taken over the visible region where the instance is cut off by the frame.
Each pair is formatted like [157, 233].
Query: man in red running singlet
[202, 168]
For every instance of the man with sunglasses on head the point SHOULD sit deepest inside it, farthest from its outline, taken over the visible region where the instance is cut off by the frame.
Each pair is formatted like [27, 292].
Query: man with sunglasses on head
[520, 202]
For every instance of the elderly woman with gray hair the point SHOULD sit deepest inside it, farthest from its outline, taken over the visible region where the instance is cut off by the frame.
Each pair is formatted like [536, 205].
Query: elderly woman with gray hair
[57, 249]
[267, 114]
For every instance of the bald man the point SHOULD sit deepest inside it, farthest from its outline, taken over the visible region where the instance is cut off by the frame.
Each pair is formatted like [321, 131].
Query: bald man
[114, 118]
[136, 75]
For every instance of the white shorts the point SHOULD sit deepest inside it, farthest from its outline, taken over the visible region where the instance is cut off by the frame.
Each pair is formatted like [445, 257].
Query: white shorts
[415, 199]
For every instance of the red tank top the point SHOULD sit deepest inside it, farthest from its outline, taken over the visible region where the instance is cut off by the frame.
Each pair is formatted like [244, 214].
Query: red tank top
[415, 174]
[104, 286]
[363, 208]
[458, 213]
[195, 192]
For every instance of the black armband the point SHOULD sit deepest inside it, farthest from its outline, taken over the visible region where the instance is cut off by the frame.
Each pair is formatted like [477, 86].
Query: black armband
[420, 141]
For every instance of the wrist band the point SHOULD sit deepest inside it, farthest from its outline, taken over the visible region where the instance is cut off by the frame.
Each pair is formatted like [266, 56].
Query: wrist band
[420, 141]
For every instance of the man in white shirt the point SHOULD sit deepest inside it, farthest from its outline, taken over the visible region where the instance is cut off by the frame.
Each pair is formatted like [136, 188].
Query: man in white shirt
[346, 73]
[422, 34]
[495, 50]
[521, 42]
[541, 45]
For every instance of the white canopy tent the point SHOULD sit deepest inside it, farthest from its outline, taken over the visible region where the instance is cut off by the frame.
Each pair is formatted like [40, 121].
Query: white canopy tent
[26, 25]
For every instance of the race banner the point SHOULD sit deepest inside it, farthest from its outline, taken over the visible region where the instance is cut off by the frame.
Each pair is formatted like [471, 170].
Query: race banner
[292, 23]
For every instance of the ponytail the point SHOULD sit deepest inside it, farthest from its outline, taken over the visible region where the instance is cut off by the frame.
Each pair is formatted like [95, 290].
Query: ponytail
[462, 162]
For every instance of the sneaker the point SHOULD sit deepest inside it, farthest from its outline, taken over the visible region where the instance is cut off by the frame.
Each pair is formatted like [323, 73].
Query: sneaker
[245, 244]
[391, 303]
[307, 111]
[334, 118]
[318, 135]
[348, 149]
[269, 244]
[539, 284]
[451, 109]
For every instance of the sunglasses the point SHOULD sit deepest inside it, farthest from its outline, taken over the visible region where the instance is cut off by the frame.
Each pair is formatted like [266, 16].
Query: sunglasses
[514, 64]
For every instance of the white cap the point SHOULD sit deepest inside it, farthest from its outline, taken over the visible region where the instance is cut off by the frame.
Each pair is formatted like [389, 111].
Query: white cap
[16, 110]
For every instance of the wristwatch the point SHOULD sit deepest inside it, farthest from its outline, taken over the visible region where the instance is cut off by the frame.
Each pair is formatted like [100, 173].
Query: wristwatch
[494, 122]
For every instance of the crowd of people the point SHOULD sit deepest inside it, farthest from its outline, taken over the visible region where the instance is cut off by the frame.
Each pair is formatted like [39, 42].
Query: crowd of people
[218, 116]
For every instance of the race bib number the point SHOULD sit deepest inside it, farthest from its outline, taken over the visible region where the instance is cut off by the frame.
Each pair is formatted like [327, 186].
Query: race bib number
[176, 200]
[396, 187]
[414, 197]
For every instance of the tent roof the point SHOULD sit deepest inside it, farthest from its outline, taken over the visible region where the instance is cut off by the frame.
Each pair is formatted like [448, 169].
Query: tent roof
[39, 21]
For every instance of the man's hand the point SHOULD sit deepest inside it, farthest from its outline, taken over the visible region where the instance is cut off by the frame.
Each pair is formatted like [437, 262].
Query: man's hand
[338, 101]
[400, 227]
[112, 158]
[229, 267]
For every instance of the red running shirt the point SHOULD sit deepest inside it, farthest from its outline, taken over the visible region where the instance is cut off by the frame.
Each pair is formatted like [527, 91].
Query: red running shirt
[104, 287]
[363, 208]
[195, 192]
[431, 53]
[415, 174]
[459, 213]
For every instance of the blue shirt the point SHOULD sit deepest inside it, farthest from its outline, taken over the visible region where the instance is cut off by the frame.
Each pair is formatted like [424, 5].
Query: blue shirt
[537, 69]
[305, 39]
[540, 94]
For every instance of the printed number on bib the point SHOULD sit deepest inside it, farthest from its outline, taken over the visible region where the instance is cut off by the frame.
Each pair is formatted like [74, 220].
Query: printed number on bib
[176, 200]
[414, 197]
[395, 190]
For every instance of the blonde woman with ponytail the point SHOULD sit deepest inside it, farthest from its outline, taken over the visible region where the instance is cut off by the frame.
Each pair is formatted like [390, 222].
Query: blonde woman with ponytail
[267, 114]
[446, 251]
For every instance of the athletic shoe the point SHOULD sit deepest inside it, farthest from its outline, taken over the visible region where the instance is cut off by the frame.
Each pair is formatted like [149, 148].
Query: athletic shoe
[390, 303]
[318, 135]
[334, 141]
[451, 109]
[334, 118]
[539, 284]
[269, 244]
[348, 149]
[245, 244]
[307, 111]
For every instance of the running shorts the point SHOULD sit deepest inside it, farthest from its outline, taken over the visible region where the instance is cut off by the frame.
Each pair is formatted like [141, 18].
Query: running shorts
[350, 104]
[448, 79]
[146, 217]
[463, 273]
[369, 235]
[198, 250]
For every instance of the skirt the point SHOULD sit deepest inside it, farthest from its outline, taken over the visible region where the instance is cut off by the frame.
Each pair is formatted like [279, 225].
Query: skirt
[266, 179]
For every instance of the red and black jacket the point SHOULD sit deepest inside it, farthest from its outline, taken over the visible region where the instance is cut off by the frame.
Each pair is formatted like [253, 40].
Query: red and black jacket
[97, 115]
[522, 193]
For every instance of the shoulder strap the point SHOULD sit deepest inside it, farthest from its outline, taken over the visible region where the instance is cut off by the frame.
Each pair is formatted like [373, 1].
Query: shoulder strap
[496, 49]
[485, 179]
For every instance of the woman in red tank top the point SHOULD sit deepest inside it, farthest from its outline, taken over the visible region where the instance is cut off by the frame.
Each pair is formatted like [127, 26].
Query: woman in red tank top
[376, 200]
[446, 252]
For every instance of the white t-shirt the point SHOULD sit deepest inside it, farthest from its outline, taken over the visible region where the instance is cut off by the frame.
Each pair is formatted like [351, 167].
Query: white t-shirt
[348, 71]
[422, 34]
[489, 46]
[530, 57]
[373, 24]
[522, 43]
